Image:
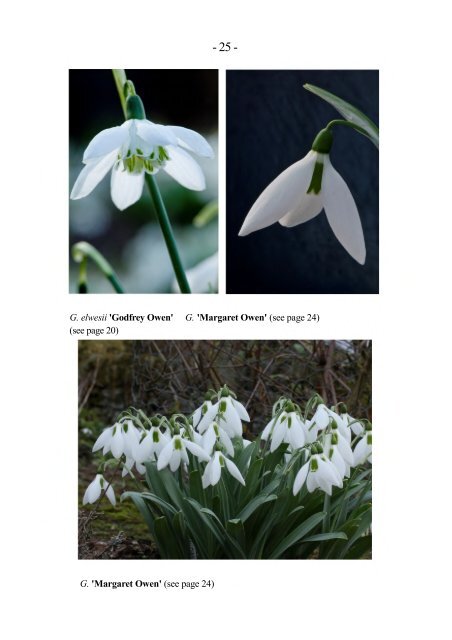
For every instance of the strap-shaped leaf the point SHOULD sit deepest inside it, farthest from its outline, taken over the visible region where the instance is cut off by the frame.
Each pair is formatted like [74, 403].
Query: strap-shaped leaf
[297, 535]
[349, 112]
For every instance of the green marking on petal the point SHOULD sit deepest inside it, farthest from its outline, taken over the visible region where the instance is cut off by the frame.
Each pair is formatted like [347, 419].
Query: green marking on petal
[314, 465]
[316, 180]
[178, 444]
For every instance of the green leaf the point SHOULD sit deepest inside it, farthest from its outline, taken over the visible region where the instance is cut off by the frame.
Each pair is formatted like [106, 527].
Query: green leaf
[151, 497]
[320, 537]
[236, 530]
[362, 546]
[169, 544]
[208, 212]
[254, 504]
[142, 508]
[349, 112]
[297, 534]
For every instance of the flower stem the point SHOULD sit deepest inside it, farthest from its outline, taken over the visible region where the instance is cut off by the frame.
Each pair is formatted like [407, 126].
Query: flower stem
[80, 253]
[346, 123]
[168, 235]
[120, 80]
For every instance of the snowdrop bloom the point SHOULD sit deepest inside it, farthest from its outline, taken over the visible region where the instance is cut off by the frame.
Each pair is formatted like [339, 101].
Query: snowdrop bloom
[363, 450]
[95, 489]
[151, 445]
[137, 147]
[212, 472]
[318, 473]
[300, 193]
[229, 413]
[175, 452]
[287, 427]
[120, 439]
[323, 417]
[337, 449]
[213, 434]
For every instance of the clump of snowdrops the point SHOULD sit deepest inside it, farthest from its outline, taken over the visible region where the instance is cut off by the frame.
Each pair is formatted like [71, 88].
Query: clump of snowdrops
[302, 489]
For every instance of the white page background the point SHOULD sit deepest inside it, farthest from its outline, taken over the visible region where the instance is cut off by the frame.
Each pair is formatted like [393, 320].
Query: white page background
[400, 591]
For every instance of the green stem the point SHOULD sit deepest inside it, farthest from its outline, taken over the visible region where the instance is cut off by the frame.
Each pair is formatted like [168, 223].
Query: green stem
[83, 276]
[347, 123]
[82, 251]
[168, 235]
[120, 80]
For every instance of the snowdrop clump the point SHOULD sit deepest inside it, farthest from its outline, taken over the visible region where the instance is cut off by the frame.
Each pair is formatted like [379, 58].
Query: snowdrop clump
[204, 478]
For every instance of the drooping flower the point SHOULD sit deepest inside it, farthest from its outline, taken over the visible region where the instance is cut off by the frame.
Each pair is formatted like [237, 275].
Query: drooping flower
[363, 450]
[213, 434]
[228, 413]
[137, 147]
[337, 449]
[212, 472]
[95, 489]
[287, 427]
[120, 439]
[151, 445]
[175, 452]
[318, 473]
[300, 193]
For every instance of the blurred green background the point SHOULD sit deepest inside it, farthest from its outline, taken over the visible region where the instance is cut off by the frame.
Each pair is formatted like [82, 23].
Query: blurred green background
[131, 240]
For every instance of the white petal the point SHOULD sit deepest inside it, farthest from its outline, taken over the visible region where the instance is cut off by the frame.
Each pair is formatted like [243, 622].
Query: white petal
[226, 442]
[208, 417]
[296, 435]
[175, 459]
[196, 450]
[278, 433]
[207, 475]
[117, 443]
[111, 495]
[243, 413]
[309, 207]
[311, 482]
[342, 214]
[281, 197]
[155, 134]
[233, 470]
[103, 439]
[193, 141]
[300, 478]
[165, 455]
[321, 417]
[232, 423]
[93, 491]
[215, 473]
[184, 169]
[90, 176]
[106, 142]
[209, 439]
[268, 429]
[126, 188]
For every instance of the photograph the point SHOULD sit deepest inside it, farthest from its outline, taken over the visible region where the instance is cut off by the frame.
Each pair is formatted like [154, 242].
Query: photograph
[302, 182]
[225, 449]
[143, 203]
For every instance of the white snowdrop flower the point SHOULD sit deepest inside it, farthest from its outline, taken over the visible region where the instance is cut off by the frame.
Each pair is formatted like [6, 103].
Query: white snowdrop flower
[128, 466]
[175, 452]
[96, 488]
[318, 473]
[363, 450]
[151, 445]
[119, 439]
[356, 426]
[287, 427]
[229, 413]
[341, 455]
[213, 434]
[212, 472]
[137, 147]
[300, 193]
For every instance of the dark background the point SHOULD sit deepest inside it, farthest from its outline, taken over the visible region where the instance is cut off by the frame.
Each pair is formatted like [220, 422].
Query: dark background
[271, 123]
